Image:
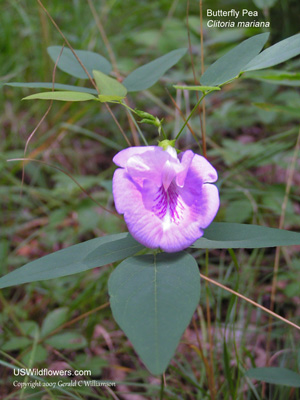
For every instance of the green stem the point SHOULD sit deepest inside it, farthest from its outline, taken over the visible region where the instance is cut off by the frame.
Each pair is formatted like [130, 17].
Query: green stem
[162, 387]
[130, 111]
[138, 128]
[192, 112]
[163, 132]
[125, 105]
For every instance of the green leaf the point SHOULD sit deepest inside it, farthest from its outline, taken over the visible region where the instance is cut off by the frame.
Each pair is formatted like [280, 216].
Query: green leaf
[67, 341]
[275, 375]
[222, 235]
[263, 4]
[276, 54]
[54, 319]
[199, 88]
[109, 88]
[232, 63]
[62, 96]
[49, 85]
[30, 328]
[16, 343]
[147, 75]
[80, 257]
[94, 364]
[69, 64]
[40, 355]
[279, 108]
[153, 299]
[274, 76]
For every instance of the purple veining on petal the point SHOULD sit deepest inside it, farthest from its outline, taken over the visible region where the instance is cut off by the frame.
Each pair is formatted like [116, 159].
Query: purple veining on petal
[168, 206]
[161, 203]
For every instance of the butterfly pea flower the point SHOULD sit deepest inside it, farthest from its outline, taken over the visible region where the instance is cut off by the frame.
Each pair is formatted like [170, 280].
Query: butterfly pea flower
[167, 199]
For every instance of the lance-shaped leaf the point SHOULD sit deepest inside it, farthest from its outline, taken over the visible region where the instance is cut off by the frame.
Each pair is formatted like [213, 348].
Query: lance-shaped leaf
[61, 96]
[80, 257]
[153, 299]
[275, 375]
[274, 76]
[49, 85]
[147, 75]
[110, 89]
[276, 54]
[232, 63]
[69, 63]
[223, 235]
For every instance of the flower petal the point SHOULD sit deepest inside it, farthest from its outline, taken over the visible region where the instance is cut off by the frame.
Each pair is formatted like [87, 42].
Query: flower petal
[196, 211]
[204, 171]
[143, 225]
[186, 159]
[148, 165]
[122, 157]
[203, 199]
[168, 173]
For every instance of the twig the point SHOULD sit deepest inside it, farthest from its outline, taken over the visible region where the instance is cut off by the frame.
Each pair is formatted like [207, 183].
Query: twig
[69, 45]
[80, 317]
[206, 278]
[105, 39]
[193, 67]
[43, 118]
[115, 67]
[202, 72]
[82, 66]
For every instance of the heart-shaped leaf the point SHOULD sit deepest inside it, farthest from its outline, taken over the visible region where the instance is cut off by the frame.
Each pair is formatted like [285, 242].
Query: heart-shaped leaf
[153, 299]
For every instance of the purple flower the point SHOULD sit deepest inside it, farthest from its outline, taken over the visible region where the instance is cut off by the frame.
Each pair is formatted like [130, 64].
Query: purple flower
[166, 200]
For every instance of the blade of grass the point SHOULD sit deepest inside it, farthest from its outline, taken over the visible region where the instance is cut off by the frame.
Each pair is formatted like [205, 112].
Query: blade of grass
[209, 331]
[73, 179]
[290, 175]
